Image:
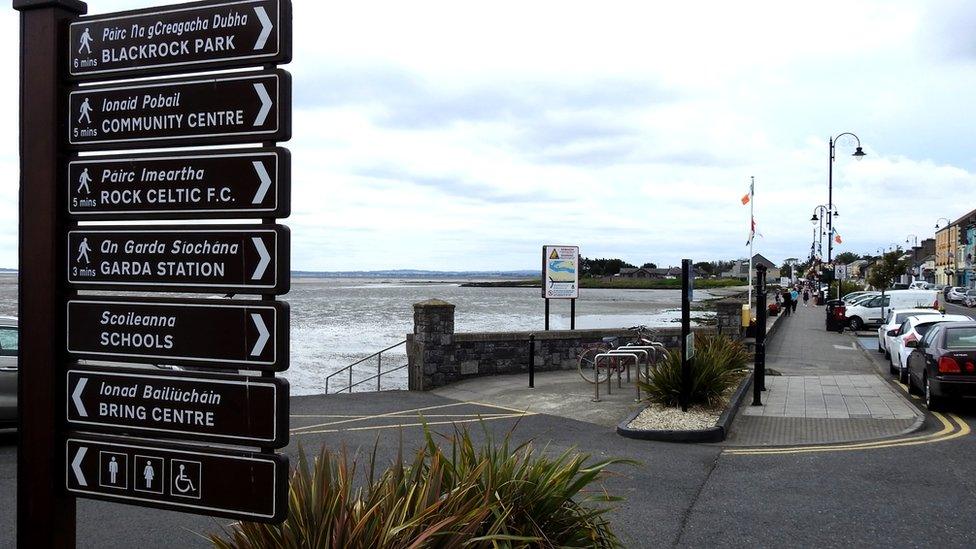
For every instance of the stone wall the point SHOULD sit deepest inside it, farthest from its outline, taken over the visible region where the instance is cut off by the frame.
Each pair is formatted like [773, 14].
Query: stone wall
[437, 356]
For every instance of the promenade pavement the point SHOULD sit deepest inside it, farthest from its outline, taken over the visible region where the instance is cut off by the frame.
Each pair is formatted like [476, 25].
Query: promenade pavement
[828, 389]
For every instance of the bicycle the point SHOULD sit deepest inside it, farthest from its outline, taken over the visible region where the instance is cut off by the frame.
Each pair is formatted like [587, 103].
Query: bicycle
[594, 371]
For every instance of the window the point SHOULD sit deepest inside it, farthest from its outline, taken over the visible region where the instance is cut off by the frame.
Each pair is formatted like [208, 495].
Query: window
[905, 326]
[8, 341]
[927, 339]
[960, 338]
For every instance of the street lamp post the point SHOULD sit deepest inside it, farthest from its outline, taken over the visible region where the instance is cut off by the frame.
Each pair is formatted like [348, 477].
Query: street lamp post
[913, 239]
[858, 154]
[823, 210]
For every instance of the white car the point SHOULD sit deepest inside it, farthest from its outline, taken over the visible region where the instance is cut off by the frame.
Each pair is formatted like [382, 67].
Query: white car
[956, 294]
[847, 298]
[891, 322]
[913, 329]
[873, 310]
[970, 300]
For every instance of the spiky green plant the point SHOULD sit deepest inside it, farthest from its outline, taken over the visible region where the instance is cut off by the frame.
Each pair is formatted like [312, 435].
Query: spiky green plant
[490, 495]
[716, 366]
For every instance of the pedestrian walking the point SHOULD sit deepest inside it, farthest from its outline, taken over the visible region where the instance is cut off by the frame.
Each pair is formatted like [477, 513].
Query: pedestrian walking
[806, 296]
[786, 302]
[794, 298]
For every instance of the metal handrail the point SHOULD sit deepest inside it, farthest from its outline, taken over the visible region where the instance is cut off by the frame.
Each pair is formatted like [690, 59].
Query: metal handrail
[379, 370]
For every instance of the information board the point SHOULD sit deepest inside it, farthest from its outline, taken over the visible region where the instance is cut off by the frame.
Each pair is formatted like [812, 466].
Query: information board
[560, 272]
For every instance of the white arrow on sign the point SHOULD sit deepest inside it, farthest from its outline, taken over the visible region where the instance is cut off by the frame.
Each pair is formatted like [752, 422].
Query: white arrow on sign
[76, 465]
[263, 337]
[266, 27]
[265, 182]
[76, 397]
[265, 258]
[265, 103]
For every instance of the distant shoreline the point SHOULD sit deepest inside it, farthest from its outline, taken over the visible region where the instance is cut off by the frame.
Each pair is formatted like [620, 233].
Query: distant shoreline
[616, 283]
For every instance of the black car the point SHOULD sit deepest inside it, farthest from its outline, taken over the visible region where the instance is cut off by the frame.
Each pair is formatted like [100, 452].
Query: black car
[943, 363]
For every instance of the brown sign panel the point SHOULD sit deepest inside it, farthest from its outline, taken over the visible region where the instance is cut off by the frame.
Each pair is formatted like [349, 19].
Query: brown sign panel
[181, 38]
[205, 110]
[192, 479]
[165, 258]
[243, 183]
[248, 411]
[217, 333]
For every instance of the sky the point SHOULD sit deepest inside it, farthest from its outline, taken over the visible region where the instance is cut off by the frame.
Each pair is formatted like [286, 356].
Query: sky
[466, 135]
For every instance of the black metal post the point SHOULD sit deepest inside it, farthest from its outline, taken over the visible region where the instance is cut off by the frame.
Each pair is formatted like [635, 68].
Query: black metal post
[572, 314]
[759, 365]
[685, 331]
[45, 512]
[547, 314]
[830, 203]
[531, 361]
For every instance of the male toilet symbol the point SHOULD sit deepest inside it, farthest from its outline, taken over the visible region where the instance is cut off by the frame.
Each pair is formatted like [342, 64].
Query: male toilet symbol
[83, 181]
[85, 109]
[86, 41]
[113, 470]
[83, 250]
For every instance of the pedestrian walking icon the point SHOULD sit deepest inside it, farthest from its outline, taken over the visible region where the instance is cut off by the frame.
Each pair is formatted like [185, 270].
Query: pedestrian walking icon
[83, 250]
[86, 40]
[83, 181]
[85, 110]
[184, 478]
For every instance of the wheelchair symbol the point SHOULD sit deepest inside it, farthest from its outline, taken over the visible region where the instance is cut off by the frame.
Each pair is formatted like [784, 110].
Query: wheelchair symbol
[185, 477]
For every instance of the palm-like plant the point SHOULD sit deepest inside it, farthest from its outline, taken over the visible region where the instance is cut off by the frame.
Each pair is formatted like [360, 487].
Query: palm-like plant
[716, 366]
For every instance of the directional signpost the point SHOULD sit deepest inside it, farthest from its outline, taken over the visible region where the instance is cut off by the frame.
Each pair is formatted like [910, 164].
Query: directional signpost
[236, 108]
[193, 406]
[213, 258]
[220, 184]
[83, 91]
[216, 34]
[226, 483]
[225, 334]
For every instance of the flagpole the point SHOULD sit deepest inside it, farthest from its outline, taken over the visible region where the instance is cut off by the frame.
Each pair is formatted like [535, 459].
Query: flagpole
[752, 230]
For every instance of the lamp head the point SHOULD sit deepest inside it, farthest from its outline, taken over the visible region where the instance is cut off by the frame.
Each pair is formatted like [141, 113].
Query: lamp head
[859, 154]
[814, 219]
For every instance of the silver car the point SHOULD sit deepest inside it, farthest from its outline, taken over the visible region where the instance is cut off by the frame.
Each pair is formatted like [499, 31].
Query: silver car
[8, 372]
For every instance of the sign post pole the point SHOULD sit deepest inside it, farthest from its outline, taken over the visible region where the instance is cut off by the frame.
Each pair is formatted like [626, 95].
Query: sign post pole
[687, 345]
[45, 513]
[759, 366]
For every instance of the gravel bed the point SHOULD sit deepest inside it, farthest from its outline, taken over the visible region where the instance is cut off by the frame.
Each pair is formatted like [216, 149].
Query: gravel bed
[660, 418]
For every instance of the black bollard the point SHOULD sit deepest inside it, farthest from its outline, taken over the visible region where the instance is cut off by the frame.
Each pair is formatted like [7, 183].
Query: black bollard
[759, 366]
[531, 361]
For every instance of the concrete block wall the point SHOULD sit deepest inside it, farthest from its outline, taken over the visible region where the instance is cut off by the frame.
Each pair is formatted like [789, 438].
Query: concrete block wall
[438, 356]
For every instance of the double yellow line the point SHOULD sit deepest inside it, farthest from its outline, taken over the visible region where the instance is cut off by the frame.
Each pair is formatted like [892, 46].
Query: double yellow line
[952, 427]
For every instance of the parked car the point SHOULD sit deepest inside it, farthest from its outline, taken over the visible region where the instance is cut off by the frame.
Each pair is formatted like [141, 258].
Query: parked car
[847, 298]
[942, 364]
[970, 299]
[872, 310]
[913, 329]
[863, 297]
[899, 286]
[956, 294]
[919, 285]
[8, 371]
[893, 320]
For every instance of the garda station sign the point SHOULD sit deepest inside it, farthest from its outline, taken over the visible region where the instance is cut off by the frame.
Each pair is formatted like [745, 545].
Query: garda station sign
[560, 272]
[219, 184]
[235, 108]
[206, 258]
[206, 35]
[195, 479]
[227, 334]
[151, 403]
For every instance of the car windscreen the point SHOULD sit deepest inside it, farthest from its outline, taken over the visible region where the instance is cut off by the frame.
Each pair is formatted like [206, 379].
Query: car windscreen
[923, 329]
[900, 317]
[960, 338]
[8, 341]
[971, 292]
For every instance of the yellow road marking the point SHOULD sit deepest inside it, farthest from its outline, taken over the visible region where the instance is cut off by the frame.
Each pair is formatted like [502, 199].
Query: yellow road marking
[375, 416]
[341, 416]
[401, 413]
[949, 431]
[418, 424]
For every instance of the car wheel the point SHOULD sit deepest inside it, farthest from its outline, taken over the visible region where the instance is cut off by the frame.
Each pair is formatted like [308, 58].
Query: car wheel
[911, 385]
[932, 402]
[856, 323]
[903, 375]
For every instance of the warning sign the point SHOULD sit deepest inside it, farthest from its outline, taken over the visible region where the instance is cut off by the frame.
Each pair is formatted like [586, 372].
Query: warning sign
[560, 272]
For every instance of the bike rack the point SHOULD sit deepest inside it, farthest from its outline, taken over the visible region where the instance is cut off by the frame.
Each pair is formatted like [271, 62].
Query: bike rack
[596, 367]
[633, 350]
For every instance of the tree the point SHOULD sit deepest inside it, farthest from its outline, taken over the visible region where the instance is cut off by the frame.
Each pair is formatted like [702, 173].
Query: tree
[888, 269]
[602, 267]
[649, 265]
[705, 268]
[846, 257]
